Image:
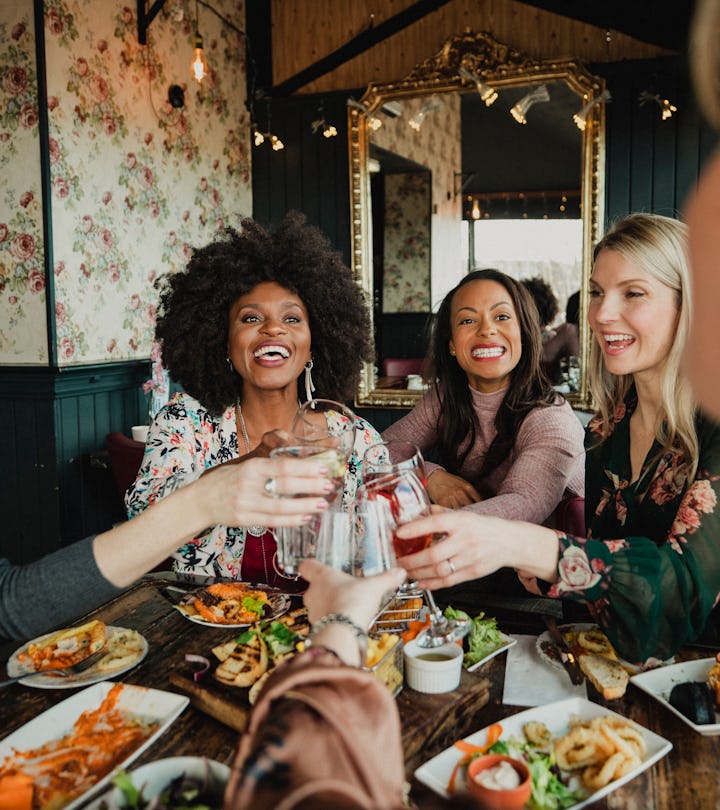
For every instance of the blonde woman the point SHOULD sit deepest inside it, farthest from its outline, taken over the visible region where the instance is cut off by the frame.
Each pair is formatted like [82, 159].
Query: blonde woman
[649, 569]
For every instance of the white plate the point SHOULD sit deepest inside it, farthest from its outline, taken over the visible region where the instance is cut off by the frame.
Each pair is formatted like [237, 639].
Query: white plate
[154, 777]
[658, 683]
[436, 772]
[279, 604]
[507, 642]
[546, 639]
[150, 704]
[84, 678]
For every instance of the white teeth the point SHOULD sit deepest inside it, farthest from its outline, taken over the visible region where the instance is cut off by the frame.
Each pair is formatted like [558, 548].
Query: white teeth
[495, 352]
[617, 338]
[263, 350]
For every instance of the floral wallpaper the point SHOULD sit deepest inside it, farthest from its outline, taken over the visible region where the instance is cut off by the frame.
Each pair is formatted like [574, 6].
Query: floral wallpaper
[135, 182]
[435, 146]
[406, 260]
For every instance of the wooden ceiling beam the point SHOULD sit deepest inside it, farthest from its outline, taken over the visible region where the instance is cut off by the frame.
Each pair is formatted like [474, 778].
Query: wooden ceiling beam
[358, 44]
[641, 19]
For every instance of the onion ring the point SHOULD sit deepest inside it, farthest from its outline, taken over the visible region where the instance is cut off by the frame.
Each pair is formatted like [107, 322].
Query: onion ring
[198, 674]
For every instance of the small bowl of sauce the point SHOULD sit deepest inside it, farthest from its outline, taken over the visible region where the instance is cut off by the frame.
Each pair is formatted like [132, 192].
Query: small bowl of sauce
[499, 782]
[435, 669]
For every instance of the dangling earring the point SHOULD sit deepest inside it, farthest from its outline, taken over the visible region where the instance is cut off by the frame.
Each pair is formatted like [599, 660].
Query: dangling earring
[309, 387]
[229, 362]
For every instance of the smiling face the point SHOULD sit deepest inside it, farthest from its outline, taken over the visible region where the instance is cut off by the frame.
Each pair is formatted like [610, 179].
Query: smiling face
[485, 330]
[269, 337]
[633, 315]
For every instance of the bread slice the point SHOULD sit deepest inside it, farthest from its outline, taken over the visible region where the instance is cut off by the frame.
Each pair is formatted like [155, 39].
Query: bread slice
[607, 675]
[246, 664]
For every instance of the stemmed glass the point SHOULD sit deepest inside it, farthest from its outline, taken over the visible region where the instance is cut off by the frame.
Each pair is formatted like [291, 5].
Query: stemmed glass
[406, 497]
[323, 430]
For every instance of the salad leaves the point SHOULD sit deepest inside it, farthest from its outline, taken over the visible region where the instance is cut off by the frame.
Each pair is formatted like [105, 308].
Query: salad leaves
[484, 635]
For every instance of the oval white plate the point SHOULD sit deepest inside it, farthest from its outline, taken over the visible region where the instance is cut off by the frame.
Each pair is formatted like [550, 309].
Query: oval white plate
[154, 777]
[507, 642]
[85, 678]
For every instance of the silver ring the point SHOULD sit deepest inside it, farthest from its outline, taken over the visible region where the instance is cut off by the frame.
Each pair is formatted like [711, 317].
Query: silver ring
[271, 487]
[452, 565]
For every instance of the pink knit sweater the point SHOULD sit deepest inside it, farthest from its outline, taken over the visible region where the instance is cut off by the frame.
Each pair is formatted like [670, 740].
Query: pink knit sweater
[546, 463]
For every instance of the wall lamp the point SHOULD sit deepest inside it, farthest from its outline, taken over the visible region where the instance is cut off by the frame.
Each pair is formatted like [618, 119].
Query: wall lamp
[666, 108]
[321, 125]
[429, 106]
[519, 111]
[580, 118]
[487, 94]
[373, 121]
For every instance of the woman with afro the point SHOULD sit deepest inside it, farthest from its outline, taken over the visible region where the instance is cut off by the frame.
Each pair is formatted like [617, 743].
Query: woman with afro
[258, 319]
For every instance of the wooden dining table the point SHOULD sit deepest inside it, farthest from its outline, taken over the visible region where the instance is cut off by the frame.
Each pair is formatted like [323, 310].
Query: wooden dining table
[686, 779]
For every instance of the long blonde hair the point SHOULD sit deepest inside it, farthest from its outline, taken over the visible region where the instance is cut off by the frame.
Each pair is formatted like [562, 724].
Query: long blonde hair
[658, 245]
[705, 58]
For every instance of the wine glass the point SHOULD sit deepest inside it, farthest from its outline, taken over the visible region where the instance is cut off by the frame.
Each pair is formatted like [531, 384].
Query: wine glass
[406, 498]
[392, 456]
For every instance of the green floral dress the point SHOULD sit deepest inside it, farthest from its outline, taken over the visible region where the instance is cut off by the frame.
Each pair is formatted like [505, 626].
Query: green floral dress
[649, 569]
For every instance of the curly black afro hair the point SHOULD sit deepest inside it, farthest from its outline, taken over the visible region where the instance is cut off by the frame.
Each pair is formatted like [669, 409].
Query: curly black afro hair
[544, 297]
[193, 316]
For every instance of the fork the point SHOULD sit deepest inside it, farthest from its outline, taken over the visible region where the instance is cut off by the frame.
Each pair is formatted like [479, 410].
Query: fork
[64, 672]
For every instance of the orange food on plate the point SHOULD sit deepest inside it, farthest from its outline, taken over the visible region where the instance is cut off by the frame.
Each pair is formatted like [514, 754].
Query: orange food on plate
[230, 603]
[61, 770]
[66, 647]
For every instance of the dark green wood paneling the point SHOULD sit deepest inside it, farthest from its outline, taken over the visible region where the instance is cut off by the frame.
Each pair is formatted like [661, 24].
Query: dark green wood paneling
[57, 421]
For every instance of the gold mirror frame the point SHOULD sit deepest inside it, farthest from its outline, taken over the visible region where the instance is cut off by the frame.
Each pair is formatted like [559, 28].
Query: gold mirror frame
[499, 66]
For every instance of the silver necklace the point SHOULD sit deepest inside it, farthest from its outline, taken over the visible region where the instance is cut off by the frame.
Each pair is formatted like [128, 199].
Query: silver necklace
[255, 531]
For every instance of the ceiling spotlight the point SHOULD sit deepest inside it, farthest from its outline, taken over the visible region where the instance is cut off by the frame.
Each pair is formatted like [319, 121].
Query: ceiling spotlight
[328, 130]
[429, 106]
[580, 118]
[519, 111]
[487, 94]
[666, 108]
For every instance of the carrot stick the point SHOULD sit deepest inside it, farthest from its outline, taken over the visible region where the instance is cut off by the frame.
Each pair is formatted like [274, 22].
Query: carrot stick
[494, 733]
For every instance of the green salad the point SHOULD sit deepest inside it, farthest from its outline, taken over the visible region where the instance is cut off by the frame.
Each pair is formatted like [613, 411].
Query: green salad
[484, 636]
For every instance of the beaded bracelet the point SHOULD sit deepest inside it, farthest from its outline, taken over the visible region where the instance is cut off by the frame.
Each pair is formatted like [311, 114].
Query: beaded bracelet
[341, 618]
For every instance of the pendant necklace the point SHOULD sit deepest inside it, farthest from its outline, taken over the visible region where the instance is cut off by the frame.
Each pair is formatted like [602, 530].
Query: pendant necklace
[255, 531]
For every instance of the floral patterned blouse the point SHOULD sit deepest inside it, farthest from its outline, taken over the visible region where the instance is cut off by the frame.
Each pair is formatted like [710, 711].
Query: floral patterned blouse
[649, 569]
[183, 441]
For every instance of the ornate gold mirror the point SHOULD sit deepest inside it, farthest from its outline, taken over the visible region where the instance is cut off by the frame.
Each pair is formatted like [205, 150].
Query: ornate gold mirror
[406, 138]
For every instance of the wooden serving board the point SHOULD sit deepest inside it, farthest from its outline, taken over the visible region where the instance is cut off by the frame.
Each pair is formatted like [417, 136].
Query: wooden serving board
[227, 704]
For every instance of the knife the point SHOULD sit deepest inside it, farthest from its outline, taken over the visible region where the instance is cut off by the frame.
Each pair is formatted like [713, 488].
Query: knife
[567, 658]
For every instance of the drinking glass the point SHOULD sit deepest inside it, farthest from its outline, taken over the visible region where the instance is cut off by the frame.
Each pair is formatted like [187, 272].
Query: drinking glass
[327, 423]
[392, 456]
[406, 498]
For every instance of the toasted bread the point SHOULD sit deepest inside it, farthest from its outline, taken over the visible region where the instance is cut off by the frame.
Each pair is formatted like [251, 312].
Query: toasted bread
[296, 621]
[607, 675]
[246, 664]
[591, 640]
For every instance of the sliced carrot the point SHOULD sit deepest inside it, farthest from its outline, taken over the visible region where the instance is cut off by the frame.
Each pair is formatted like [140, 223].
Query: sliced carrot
[493, 735]
[414, 627]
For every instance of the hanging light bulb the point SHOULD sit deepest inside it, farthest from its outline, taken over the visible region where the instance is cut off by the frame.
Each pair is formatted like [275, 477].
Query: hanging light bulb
[258, 137]
[276, 143]
[580, 118]
[519, 111]
[328, 130]
[373, 122]
[667, 109]
[198, 66]
[487, 94]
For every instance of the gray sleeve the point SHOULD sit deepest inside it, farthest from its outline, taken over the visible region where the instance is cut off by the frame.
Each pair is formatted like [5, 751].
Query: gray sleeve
[37, 597]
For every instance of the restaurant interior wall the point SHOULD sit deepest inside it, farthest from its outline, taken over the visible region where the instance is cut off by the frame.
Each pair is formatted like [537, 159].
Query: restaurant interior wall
[105, 186]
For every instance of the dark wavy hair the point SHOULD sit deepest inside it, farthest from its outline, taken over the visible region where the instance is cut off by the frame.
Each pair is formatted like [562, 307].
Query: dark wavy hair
[529, 387]
[544, 298]
[193, 317]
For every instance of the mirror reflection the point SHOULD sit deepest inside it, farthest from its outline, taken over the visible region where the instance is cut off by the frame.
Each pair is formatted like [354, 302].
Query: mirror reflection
[443, 183]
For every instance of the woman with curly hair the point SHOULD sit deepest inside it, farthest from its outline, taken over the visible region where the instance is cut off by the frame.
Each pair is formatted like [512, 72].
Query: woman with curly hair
[506, 443]
[649, 569]
[258, 320]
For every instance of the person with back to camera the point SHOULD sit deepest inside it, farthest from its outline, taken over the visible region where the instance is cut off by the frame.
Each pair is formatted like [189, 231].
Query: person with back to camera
[506, 443]
[259, 319]
[649, 569]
